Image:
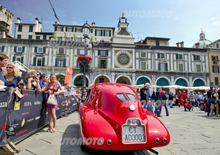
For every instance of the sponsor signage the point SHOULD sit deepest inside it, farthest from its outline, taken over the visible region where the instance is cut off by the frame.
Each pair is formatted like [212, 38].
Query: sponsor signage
[4, 95]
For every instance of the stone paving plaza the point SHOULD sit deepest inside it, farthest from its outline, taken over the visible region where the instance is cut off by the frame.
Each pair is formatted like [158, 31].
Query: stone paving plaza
[192, 133]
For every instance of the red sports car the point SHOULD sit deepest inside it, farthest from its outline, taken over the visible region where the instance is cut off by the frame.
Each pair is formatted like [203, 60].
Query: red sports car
[112, 118]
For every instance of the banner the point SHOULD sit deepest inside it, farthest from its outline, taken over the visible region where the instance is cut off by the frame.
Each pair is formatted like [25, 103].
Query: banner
[66, 105]
[30, 113]
[26, 114]
[3, 113]
[68, 74]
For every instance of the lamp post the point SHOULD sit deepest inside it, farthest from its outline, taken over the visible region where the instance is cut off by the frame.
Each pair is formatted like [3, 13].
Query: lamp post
[84, 66]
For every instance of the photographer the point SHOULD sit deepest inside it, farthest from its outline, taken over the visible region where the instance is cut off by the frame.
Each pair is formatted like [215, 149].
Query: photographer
[30, 82]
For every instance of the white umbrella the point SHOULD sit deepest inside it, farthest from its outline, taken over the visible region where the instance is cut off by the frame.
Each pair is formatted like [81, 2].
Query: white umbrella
[175, 87]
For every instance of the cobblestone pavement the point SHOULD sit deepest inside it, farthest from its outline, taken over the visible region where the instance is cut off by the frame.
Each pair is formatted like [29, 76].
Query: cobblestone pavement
[192, 133]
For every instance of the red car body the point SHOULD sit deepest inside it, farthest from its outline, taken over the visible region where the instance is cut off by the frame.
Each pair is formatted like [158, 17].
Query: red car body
[111, 119]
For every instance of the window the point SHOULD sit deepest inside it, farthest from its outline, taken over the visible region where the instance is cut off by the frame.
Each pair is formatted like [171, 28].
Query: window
[198, 68]
[103, 64]
[143, 54]
[50, 38]
[160, 55]
[157, 42]
[39, 62]
[179, 56]
[216, 80]
[59, 28]
[40, 50]
[106, 33]
[59, 38]
[196, 57]
[101, 80]
[19, 49]
[18, 59]
[215, 59]
[29, 36]
[78, 30]
[143, 65]
[18, 36]
[0, 48]
[69, 29]
[163, 67]
[31, 29]
[38, 37]
[180, 67]
[44, 37]
[60, 63]
[215, 69]
[82, 52]
[102, 53]
[99, 33]
[91, 30]
[19, 28]
[217, 45]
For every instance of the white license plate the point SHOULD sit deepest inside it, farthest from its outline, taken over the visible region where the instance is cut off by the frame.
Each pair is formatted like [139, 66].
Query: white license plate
[132, 134]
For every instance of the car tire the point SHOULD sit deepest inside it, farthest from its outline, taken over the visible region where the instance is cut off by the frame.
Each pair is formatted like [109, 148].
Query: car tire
[202, 107]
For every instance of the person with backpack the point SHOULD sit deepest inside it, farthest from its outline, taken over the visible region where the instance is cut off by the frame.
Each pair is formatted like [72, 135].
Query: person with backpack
[146, 97]
[164, 99]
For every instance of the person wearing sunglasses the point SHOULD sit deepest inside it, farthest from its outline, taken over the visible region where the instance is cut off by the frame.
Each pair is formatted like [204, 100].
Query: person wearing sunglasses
[12, 77]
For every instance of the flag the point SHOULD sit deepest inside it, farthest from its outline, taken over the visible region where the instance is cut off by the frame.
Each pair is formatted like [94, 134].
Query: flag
[68, 74]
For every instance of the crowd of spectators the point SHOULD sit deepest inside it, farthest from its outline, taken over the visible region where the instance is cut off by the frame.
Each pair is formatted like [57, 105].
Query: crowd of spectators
[36, 81]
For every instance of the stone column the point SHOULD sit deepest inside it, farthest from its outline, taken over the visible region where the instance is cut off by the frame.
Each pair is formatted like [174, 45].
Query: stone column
[113, 59]
[190, 82]
[71, 56]
[133, 79]
[113, 77]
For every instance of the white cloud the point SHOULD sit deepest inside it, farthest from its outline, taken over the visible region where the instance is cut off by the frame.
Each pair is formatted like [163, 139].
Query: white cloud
[215, 18]
[216, 22]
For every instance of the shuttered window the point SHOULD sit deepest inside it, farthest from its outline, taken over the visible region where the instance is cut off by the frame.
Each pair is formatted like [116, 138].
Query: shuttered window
[181, 67]
[143, 65]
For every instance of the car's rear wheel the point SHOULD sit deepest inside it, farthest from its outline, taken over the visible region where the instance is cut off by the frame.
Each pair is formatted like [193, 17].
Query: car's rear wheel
[202, 107]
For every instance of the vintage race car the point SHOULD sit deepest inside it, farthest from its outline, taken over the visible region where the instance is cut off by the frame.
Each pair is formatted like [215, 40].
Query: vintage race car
[112, 118]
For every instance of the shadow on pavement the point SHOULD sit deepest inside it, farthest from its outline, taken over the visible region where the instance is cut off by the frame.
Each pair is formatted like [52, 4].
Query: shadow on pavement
[68, 145]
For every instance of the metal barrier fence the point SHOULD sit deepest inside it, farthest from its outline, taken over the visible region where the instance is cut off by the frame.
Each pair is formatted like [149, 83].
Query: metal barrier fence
[21, 117]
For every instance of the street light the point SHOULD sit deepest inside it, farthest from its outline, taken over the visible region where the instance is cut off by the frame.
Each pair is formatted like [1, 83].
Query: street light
[85, 66]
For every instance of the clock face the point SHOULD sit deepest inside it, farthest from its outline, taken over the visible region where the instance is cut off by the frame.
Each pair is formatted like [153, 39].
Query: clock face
[123, 59]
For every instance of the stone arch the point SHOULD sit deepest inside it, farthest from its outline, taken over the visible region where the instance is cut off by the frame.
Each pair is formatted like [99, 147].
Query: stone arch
[144, 77]
[198, 78]
[78, 75]
[183, 79]
[104, 75]
[164, 78]
[121, 76]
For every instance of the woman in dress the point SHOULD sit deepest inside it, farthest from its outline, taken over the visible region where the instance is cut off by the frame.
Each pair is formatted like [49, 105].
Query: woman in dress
[52, 87]
[12, 78]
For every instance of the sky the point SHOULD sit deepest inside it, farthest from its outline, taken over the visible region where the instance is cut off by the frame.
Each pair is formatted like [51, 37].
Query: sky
[179, 20]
